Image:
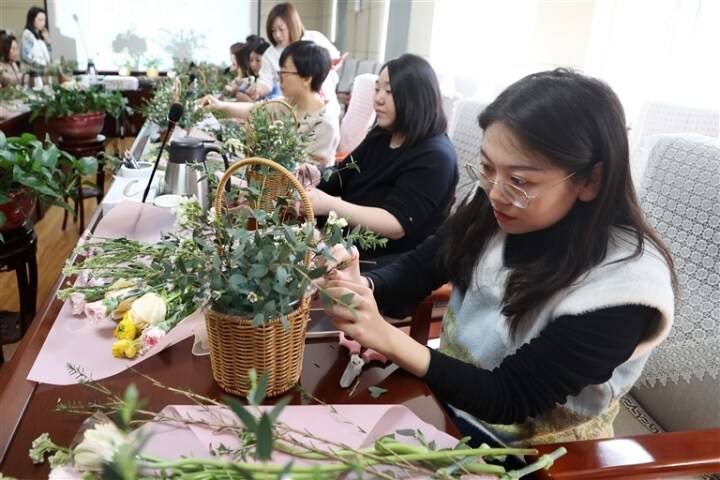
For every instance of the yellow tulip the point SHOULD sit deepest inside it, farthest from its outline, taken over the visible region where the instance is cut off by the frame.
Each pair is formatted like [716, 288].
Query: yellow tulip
[126, 329]
[125, 349]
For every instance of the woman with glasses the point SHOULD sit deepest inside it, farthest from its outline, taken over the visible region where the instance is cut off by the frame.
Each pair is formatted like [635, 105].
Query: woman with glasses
[406, 168]
[561, 289]
[305, 66]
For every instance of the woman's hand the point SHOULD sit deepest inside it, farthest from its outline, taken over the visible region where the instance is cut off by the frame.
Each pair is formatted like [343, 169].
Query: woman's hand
[360, 317]
[322, 203]
[45, 34]
[345, 266]
[308, 174]
[209, 102]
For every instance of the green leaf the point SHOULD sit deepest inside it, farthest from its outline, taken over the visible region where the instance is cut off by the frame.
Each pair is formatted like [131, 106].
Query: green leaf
[242, 413]
[264, 438]
[129, 406]
[325, 299]
[406, 432]
[87, 165]
[347, 299]
[278, 408]
[375, 392]
[256, 395]
[258, 271]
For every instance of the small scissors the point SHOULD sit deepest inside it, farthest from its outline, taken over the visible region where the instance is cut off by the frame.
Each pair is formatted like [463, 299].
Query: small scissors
[357, 360]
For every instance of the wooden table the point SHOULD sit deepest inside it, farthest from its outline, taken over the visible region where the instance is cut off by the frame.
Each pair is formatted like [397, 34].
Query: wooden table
[27, 407]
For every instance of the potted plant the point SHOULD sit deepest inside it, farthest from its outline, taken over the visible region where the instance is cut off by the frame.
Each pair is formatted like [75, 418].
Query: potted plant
[151, 67]
[256, 284]
[77, 113]
[271, 131]
[31, 171]
[167, 91]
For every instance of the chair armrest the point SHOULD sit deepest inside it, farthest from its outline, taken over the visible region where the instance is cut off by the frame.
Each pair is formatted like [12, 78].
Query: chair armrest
[422, 316]
[640, 457]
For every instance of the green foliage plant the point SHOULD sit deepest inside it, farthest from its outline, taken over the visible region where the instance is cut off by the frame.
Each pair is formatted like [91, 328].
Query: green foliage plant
[39, 170]
[62, 101]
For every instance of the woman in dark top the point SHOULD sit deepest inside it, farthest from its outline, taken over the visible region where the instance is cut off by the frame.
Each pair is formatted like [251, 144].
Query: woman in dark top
[407, 167]
[560, 288]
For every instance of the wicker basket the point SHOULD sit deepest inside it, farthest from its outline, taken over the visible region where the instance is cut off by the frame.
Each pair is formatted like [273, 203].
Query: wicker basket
[272, 185]
[236, 346]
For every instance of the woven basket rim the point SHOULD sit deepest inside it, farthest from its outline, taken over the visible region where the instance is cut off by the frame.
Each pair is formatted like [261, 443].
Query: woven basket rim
[303, 305]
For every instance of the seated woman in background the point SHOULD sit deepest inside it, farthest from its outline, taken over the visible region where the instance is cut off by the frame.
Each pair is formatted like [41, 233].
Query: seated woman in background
[305, 66]
[561, 289]
[256, 55]
[407, 165]
[9, 67]
[35, 48]
[239, 66]
[284, 27]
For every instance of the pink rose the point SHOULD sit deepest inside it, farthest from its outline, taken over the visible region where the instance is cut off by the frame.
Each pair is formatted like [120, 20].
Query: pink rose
[83, 278]
[77, 300]
[151, 337]
[96, 311]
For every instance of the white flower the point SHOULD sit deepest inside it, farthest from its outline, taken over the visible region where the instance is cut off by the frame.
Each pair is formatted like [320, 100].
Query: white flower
[98, 447]
[150, 309]
[77, 301]
[252, 297]
[64, 472]
[334, 219]
[150, 338]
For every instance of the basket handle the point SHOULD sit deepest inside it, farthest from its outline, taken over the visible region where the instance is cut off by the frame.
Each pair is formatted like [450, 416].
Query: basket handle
[220, 193]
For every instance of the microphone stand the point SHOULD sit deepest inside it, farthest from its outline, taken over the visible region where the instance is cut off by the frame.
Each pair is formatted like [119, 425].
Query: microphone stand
[171, 127]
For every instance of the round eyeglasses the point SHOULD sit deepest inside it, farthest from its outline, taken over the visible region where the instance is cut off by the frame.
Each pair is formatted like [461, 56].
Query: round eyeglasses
[516, 195]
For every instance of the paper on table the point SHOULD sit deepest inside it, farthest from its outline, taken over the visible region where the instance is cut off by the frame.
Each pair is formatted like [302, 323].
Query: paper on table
[75, 340]
[355, 426]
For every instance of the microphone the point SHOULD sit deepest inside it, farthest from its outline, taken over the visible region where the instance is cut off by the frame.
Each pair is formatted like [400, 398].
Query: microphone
[82, 38]
[176, 112]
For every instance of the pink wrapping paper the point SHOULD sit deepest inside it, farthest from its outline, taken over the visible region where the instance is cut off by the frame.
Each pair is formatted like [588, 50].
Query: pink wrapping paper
[344, 427]
[76, 340]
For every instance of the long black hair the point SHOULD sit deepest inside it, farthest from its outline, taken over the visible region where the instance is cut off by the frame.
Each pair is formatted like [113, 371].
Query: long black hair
[574, 122]
[5, 46]
[416, 94]
[30, 20]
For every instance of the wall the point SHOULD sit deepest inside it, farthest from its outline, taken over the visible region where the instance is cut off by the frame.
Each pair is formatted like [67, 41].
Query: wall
[365, 22]
[315, 14]
[562, 33]
[13, 13]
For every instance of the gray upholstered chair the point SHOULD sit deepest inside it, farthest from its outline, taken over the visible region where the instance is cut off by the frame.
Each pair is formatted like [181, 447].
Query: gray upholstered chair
[660, 118]
[466, 136]
[680, 195]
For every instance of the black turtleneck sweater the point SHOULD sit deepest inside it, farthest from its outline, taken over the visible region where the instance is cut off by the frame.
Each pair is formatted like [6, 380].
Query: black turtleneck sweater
[572, 352]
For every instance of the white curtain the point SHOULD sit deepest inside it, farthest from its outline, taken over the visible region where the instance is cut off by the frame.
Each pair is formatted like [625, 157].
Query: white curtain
[657, 50]
[480, 46]
[647, 50]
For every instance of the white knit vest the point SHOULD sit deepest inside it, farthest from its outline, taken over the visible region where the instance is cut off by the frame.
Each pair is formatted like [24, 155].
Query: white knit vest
[478, 331]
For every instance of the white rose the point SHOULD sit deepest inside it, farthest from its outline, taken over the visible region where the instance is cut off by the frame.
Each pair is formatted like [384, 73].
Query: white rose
[150, 309]
[64, 472]
[98, 447]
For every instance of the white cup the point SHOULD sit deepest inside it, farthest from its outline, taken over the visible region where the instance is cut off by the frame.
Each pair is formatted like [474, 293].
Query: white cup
[167, 201]
[142, 172]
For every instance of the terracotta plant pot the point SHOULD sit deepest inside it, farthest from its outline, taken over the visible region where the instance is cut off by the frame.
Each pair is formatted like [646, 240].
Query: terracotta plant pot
[81, 126]
[17, 210]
